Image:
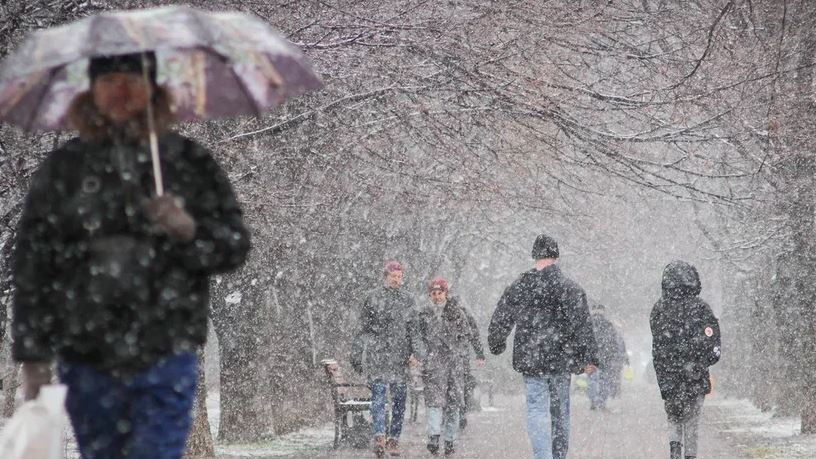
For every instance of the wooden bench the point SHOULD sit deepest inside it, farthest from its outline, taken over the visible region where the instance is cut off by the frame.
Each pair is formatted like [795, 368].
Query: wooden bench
[347, 398]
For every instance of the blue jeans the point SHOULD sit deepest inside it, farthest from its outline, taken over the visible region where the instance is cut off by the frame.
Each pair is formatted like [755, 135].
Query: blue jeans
[548, 415]
[143, 417]
[399, 392]
[599, 388]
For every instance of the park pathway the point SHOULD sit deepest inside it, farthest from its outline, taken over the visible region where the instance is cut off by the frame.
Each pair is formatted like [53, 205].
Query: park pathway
[633, 428]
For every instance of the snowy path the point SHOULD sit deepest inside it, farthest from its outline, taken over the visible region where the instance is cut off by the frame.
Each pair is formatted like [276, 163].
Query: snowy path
[634, 429]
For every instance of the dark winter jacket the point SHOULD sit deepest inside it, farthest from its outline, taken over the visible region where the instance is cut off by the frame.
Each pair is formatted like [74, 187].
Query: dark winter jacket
[553, 329]
[685, 335]
[95, 281]
[386, 336]
[610, 354]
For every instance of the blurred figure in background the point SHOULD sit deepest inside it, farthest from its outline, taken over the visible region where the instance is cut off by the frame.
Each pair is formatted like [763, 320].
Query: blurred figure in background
[610, 359]
[619, 367]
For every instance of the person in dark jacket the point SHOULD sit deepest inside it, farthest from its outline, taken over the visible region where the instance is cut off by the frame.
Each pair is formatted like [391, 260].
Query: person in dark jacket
[618, 365]
[385, 345]
[113, 280]
[685, 343]
[445, 332]
[608, 339]
[553, 339]
[470, 380]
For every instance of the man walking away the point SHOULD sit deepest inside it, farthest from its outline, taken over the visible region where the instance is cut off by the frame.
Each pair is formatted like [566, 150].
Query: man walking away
[387, 332]
[553, 339]
[685, 342]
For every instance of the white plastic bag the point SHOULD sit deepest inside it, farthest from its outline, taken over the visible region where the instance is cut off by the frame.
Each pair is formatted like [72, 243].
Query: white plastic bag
[36, 430]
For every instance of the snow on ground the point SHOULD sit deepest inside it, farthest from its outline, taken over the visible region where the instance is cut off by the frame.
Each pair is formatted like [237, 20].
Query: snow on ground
[761, 435]
[304, 440]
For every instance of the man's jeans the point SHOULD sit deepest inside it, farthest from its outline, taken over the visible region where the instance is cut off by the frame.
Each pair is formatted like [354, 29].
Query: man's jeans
[399, 391]
[600, 386]
[548, 415]
[146, 416]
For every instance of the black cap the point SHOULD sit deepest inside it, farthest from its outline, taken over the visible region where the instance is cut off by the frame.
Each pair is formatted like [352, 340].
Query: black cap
[545, 247]
[126, 63]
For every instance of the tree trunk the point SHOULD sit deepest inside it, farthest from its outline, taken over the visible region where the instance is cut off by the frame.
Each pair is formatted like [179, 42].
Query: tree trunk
[10, 389]
[243, 329]
[200, 441]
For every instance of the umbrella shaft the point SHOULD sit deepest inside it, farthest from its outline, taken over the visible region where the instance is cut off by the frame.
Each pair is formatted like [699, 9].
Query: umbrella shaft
[151, 125]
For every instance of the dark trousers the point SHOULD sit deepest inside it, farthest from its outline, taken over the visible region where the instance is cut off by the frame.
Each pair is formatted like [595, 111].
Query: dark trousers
[146, 416]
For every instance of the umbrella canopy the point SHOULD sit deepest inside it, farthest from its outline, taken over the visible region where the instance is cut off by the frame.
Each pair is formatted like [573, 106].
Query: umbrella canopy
[214, 64]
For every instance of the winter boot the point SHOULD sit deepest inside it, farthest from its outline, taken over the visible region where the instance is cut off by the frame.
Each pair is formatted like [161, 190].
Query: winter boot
[676, 450]
[379, 446]
[433, 444]
[449, 450]
[392, 445]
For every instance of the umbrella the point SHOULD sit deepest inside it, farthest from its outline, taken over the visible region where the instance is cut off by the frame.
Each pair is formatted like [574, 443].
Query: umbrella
[214, 64]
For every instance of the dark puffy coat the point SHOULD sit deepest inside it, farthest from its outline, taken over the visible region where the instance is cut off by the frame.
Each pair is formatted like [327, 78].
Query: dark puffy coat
[685, 335]
[95, 282]
[553, 329]
[386, 336]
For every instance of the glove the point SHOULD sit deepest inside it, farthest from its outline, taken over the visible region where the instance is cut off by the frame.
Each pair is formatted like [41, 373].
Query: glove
[168, 215]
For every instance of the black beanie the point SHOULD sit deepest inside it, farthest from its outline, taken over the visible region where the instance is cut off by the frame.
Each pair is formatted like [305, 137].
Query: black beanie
[126, 63]
[545, 247]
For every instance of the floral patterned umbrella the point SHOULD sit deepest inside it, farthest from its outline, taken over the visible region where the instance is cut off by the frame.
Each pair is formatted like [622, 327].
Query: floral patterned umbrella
[214, 64]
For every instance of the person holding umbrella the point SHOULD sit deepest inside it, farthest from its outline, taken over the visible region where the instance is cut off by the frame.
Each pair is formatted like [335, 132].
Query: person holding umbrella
[116, 242]
[112, 279]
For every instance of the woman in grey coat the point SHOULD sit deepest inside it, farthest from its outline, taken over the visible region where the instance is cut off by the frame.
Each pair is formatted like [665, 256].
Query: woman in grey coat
[444, 332]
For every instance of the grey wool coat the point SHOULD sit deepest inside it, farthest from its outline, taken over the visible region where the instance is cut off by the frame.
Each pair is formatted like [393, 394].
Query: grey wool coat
[445, 336]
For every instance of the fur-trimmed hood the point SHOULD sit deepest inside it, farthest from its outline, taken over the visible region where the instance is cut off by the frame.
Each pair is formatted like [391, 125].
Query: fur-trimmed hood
[93, 127]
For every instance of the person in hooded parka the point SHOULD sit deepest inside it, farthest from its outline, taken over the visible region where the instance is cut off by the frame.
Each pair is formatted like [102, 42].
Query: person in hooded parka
[112, 280]
[685, 343]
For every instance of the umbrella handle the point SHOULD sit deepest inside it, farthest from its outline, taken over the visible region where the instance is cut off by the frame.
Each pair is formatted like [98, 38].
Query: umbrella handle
[151, 126]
